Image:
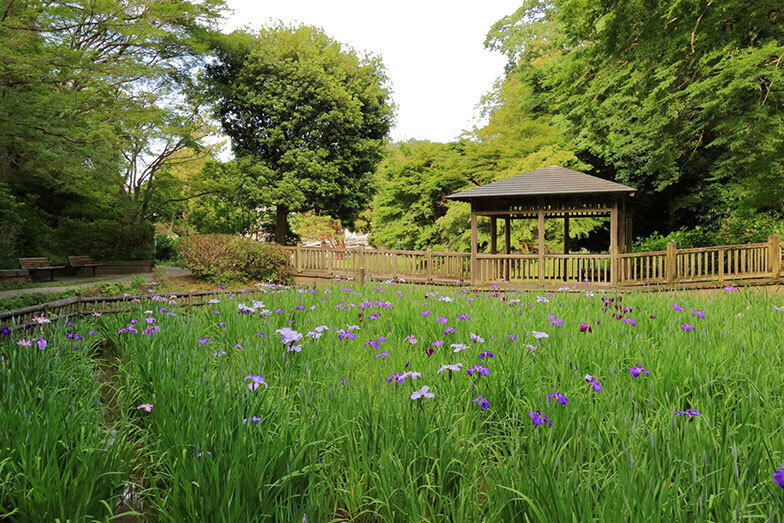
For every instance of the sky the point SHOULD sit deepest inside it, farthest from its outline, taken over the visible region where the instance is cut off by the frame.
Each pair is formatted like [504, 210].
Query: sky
[433, 51]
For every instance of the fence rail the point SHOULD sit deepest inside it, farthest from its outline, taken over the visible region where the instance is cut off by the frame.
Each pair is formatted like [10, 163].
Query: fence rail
[672, 266]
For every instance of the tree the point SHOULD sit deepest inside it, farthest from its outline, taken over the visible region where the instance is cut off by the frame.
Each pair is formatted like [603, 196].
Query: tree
[307, 118]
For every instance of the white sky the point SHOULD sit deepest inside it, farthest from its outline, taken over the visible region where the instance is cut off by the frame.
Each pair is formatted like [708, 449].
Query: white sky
[433, 51]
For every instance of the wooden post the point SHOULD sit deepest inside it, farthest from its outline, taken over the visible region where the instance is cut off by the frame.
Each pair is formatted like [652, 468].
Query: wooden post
[361, 271]
[774, 255]
[507, 244]
[298, 257]
[429, 263]
[566, 246]
[614, 244]
[493, 235]
[474, 249]
[540, 247]
[671, 261]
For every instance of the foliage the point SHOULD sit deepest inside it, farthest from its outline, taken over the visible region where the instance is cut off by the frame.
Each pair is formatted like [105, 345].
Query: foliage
[35, 298]
[105, 240]
[307, 118]
[329, 438]
[166, 247]
[682, 100]
[224, 258]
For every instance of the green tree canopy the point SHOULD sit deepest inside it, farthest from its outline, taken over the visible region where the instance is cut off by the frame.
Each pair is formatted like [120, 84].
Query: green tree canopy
[307, 118]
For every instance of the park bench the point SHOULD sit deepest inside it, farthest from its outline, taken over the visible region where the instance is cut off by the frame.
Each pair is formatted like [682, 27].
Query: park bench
[83, 262]
[39, 264]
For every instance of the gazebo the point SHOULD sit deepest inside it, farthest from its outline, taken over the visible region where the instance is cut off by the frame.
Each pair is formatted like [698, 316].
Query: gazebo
[549, 192]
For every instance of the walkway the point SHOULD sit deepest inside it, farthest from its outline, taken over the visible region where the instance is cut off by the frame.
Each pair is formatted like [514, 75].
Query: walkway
[171, 272]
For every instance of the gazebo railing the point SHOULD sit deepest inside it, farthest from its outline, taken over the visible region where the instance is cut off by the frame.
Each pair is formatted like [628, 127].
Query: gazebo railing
[672, 266]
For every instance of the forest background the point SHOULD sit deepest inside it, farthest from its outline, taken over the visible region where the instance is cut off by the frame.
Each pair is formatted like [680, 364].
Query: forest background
[112, 115]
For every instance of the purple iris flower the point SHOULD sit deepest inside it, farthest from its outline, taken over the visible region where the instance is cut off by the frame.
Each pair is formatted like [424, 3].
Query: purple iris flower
[631, 321]
[425, 313]
[204, 340]
[698, 314]
[254, 419]
[411, 339]
[482, 371]
[451, 368]
[484, 355]
[585, 327]
[147, 407]
[688, 412]
[449, 330]
[635, 371]
[594, 382]
[676, 307]
[687, 327]
[539, 418]
[778, 477]
[382, 355]
[463, 317]
[482, 402]
[476, 339]
[343, 334]
[730, 288]
[560, 398]
[255, 381]
[422, 393]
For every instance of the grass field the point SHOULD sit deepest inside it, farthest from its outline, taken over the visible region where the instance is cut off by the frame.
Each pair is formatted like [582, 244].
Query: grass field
[312, 406]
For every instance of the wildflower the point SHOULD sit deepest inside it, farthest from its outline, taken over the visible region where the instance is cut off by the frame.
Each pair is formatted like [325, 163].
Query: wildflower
[425, 313]
[698, 314]
[449, 330]
[482, 371]
[238, 347]
[343, 334]
[482, 402]
[442, 319]
[451, 368]
[294, 348]
[539, 418]
[687, 327]
[145, 406]
[382, 355]
[778, 477]
[41, 343]
[542, 299]
[730, 288]
[484, 355]
[396, 377]
[457, 347]
[200, 454]
[539, 335]
[204, 340]
[255, 382]
[689, 412]
[213, 300]
[92, 333]
[594, 382]
[585, 327]
[630, 321]
[676, 307]
[254, 419]
[25, 343]
[635, 371]
[422, 393]
[560, 398]
[476, 339]
[41, 320]
[558, 322]
[463, 317]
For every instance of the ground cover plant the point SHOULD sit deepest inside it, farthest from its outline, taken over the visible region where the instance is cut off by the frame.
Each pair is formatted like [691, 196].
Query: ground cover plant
[394, 402]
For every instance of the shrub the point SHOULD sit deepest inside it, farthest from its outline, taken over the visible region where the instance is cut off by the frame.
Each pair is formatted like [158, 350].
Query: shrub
[220, 258]
[106, 239]
[165, 247]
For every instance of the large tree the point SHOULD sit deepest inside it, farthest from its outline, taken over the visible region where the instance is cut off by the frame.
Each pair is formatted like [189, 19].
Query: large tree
[307, 117]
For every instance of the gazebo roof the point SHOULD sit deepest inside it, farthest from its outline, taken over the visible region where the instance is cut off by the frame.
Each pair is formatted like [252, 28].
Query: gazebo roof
[547, 181]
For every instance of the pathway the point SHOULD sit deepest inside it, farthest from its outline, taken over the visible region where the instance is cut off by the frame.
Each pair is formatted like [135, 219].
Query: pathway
[171, 272]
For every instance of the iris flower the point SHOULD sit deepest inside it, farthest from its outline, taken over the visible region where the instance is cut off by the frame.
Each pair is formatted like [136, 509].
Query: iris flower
[422, 393]
[484, 355]
[778, 477]
[476, 339]
[635, 371]
[147, 407]
[594, 382]
[689, 412]
[560, 398]
[382, 355]
[457, 347]
[482, 402]
[687, 327]
[255, 382]
[539, 418]
[451, 368]
[482, 371]
[585, 327]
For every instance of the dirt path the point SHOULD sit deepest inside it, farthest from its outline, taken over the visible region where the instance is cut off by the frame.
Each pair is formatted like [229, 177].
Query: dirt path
[171, 272]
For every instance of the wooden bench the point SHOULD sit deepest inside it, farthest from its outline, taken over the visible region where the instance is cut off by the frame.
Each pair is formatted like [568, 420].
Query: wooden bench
[39, 264]
[83, 262]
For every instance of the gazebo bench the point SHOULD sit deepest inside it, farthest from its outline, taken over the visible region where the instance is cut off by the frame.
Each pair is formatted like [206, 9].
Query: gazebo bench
[39, 265]
[83, 262]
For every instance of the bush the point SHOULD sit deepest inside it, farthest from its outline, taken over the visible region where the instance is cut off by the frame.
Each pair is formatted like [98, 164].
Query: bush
[221, 258]
[165, 247]
[683, 238]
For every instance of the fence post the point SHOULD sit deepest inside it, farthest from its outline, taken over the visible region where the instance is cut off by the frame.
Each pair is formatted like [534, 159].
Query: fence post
[671, 263]
[774, 255]
[298, 257]
[429, 263]
[361, 272]
[721, 266]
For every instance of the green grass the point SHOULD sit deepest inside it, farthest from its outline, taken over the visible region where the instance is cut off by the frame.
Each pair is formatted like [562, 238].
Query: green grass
[335, 441]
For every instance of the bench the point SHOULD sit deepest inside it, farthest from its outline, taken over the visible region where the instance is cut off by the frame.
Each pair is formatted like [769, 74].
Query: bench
[83, 262]
[39, 264]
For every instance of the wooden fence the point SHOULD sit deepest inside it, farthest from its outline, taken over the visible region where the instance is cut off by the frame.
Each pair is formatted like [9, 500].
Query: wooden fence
[84, 306]
[727, 263]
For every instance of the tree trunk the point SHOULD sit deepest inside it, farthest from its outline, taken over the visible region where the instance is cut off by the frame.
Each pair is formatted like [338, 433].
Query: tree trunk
[281, 224]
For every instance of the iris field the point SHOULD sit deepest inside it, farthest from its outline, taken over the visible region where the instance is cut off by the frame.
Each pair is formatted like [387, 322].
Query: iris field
[392, 402]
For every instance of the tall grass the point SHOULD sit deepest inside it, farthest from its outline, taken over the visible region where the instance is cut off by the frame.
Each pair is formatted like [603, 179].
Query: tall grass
[333, 440]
